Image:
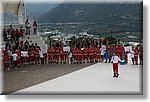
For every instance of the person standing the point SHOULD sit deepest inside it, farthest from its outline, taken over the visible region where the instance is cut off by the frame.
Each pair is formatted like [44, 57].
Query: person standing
[28, 26]
[141, 55]
[35, 27]
[37, 56]
[136, 55]
[132, 56]
[102, 54]
[115, 60]
[4, 35]
[41, 56]
[71, 57]
[14, 55]
[45, 53]
[106, 54]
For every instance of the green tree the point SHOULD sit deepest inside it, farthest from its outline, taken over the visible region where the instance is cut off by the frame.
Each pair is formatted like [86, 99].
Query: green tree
[112, 40]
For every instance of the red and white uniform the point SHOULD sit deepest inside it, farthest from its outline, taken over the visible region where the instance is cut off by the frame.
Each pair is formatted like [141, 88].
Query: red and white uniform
[136, 56]
[6, 61]
[21, 33]
[115, 60]
[75, 53]
[79, 56]
[18, 57]
[50, 57]
[31, 56]
[98, 54]
[61, 56]
[37, 56]
[126, 57]
[85, 51]
[91, 54]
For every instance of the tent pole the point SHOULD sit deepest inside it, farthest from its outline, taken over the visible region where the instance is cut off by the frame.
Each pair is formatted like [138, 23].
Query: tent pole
[24, 11]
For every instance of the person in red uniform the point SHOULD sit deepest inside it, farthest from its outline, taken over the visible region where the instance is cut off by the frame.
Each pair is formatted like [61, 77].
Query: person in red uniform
[17, 33]
[85, 52]
[61, 57]
[94, 54]
[21, 33]
[35, 27]
[6, 62]
[75, 54]
[49, 55]
[18, 57]
[91, 54]
[37, 56]
[141, 55]
[13, 35]
[31, 56]
[79, 56]
[54, 54]
[126, 56]
[98, 54]
[57, 55]
[136, 55]
[119, 51]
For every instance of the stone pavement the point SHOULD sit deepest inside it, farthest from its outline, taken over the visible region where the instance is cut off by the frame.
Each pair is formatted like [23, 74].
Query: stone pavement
[94, 79]
[24, 77]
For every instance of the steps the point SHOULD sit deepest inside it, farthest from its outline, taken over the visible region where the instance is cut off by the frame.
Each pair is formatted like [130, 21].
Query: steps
[35, 38]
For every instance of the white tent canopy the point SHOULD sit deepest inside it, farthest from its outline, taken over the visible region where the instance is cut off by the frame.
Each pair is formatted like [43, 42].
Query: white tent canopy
[14, 7]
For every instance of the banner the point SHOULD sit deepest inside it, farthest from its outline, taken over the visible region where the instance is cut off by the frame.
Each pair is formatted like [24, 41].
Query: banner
[24, 53]
[128, 48]
[66, 49]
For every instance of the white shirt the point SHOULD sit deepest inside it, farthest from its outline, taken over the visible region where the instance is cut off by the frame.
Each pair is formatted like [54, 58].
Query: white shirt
[102, 51]
[14, 57]
[115, 59]
[44, 50]
[70, 55]
[41, 54]
[132, 54]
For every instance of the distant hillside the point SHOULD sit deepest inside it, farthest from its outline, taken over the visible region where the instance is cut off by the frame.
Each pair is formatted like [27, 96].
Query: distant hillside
[36, 9]
[92, 13]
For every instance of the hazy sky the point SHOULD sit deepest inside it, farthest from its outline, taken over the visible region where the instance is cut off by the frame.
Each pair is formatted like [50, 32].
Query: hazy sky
[85, 0]
[61, 1]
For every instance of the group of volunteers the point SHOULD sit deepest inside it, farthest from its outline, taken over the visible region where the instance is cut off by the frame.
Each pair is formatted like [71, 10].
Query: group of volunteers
[17, 53]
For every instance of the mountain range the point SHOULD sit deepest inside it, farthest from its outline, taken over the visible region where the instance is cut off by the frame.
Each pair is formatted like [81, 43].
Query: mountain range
[92, 13]
[34, 10]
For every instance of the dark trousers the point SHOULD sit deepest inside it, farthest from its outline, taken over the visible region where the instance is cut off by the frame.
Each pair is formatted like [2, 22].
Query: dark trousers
[15, 63]
[132, 60]
[42, 60]
[71, 59]
[35, 31]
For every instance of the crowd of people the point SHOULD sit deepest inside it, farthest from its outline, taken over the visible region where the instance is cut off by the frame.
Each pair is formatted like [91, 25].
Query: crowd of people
[17, 53]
